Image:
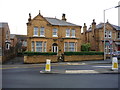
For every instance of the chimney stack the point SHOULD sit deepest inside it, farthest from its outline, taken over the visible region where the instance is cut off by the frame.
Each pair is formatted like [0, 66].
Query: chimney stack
[93, 26]
[63, 17]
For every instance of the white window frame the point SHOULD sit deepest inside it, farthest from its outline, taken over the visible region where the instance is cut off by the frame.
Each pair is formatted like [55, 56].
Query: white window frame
[54, 49]
[42, 32]
[66, 46]
[39, 48]
[33, 46]
[55, 32]
[45, 47]
[72, 46]
[7, 46]
[67, 32]
[73, 33]
[35, 32]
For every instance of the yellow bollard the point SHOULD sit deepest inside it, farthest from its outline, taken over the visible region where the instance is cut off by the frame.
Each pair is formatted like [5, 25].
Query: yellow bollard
[48, 66]
[114, 63]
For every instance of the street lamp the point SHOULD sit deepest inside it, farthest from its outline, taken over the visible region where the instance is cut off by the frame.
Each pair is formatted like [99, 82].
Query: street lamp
[104, 27]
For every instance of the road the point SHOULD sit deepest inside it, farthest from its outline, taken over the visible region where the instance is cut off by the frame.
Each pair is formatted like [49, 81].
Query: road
[28, 76]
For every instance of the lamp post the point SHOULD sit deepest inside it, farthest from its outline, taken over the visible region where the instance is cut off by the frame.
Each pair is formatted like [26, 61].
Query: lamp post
[105, 27]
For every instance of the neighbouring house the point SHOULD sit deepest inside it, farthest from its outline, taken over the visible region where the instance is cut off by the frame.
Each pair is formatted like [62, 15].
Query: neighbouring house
[95, 36]
[46, 34]
[21, 43]
[18, 42]
[4, 42]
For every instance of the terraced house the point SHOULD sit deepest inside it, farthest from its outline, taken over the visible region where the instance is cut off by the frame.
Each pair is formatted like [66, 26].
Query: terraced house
[47, 34]
[95, 36]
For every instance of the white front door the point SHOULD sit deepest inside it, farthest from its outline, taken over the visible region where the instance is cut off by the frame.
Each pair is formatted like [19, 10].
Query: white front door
[55, 48]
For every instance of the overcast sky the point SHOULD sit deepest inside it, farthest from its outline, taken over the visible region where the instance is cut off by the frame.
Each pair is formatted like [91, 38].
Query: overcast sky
[16, 12]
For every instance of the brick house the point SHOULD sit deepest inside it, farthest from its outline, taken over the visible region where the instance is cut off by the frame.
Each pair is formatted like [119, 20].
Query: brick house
[4, 42]
[18, 43]
[47, 34]
[95, 36]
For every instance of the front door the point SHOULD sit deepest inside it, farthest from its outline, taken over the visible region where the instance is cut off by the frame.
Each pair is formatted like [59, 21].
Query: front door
[54, 47]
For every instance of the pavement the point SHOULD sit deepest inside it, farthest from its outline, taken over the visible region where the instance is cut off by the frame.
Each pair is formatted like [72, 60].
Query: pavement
[18, 61]
[103, 70]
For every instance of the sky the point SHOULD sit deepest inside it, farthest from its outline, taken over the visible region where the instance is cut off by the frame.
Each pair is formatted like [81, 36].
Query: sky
[16, 12]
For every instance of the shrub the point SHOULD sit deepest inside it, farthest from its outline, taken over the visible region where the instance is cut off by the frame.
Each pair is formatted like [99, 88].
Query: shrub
[84, 53]
[39, 53]
[85, 47]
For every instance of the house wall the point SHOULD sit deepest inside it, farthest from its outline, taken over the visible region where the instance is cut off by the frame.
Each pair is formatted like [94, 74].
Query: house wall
[39, 21]
[96, 39]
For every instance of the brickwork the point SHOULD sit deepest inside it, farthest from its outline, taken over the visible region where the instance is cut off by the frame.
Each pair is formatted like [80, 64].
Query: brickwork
[83, 57]
[95, 36]
[39, 58]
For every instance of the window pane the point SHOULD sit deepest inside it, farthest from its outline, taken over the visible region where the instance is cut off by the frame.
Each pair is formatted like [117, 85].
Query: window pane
[42, 32]
[36, 31]
[44, 47]
[39, 46]
[73, 33]
[55, 32]
[67, 32]
[65, 46]
[32, 46]
[71, 46]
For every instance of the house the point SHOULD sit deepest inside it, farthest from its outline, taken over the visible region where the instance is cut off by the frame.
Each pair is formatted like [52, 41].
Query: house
[21, 43]
[4, 41]
[46, 34]
[95, 36]
[18, 43]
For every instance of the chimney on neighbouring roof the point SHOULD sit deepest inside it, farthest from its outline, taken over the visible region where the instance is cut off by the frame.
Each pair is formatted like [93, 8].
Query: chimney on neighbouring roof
[84, 28]
[63, 17]
[93, 26]
[29, 19]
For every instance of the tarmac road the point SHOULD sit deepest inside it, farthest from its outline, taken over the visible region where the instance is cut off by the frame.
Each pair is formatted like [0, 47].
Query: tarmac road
[28, 76]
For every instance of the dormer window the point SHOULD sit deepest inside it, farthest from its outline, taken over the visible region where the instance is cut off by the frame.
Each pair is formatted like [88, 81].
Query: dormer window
[35, 33]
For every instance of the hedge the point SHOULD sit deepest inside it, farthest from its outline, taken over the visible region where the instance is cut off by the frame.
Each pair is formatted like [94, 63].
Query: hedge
[39, 53]
[83, 53]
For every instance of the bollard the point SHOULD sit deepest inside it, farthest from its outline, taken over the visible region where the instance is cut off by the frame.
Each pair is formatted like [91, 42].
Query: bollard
[48, 66]
[114, 63]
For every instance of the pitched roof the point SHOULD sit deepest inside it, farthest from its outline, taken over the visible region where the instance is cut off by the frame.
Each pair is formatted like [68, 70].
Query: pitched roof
[116, 27]
[55, 21]
[21, 37]
[101, 25]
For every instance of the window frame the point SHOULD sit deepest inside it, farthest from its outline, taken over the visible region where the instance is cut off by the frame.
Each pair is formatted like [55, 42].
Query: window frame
[67, 32]
[34, 32]
[42, 33]
[73, 33]
[55, 32]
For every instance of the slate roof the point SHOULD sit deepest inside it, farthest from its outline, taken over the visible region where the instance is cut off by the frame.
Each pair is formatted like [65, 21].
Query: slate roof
[21, 37]
[55, 21]
[101, 25]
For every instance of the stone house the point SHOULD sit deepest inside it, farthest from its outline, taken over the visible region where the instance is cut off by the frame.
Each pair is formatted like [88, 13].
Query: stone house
[45, 34]
[95, 36]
